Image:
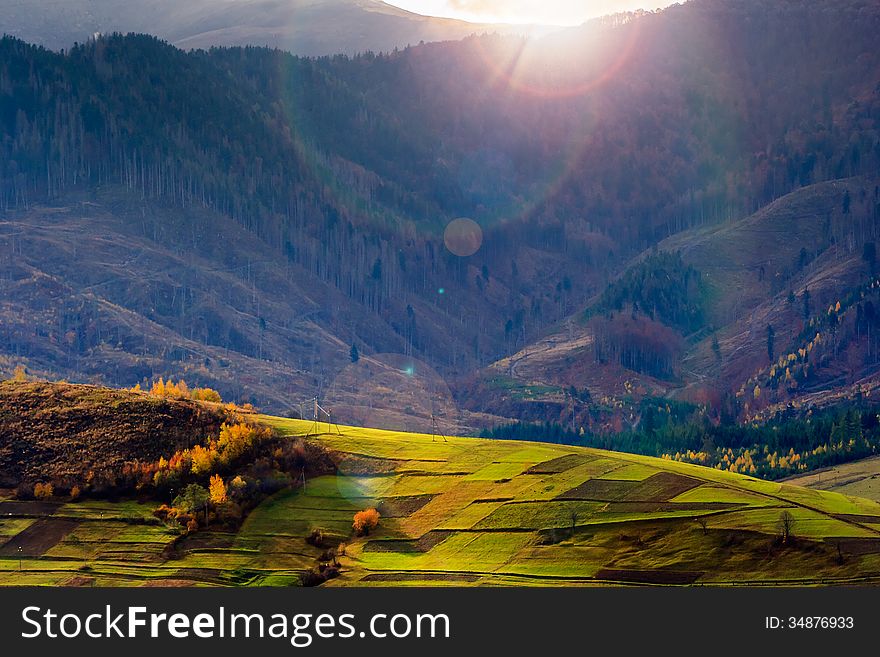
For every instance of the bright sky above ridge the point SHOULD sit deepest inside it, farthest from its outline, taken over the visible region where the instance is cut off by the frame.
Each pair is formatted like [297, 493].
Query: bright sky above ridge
[548, 12]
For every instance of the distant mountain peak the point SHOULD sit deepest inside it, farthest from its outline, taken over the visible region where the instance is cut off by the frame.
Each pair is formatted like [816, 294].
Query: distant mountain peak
[304, 27]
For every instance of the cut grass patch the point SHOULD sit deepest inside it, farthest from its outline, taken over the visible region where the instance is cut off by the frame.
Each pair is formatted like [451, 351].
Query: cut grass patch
[538, 515]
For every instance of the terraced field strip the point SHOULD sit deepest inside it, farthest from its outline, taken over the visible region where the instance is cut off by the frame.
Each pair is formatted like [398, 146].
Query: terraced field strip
[38, 537]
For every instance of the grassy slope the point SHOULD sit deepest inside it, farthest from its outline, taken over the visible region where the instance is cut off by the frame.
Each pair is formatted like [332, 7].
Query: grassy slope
[486, 512]
[467, 512]
[860, 478]
[89, 543]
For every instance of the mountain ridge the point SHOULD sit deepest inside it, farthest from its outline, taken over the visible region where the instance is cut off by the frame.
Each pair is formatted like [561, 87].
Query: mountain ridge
[304, 27]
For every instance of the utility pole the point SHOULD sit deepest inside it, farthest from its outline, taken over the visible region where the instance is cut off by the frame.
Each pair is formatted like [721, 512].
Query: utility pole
[316, 429]
[435, 431]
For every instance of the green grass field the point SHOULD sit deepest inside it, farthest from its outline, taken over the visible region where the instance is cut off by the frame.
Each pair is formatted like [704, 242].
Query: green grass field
[468, 512]
[499, 513]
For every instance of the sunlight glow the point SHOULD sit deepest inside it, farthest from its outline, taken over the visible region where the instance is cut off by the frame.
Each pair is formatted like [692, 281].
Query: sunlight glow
[544, 12]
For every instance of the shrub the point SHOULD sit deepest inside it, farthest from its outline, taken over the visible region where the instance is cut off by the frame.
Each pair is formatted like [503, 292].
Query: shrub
[203, 460]
[180, 390]
[175, 517]
[312, 578]
[237, 440]
[316, 538]
[206, 394]
[24, 492]
[165, 513]
[193, 499]
[316, 577]
[43, 491]
[365, 521]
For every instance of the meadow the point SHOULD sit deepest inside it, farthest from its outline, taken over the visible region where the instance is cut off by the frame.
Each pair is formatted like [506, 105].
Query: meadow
[465, 511]
[504, 512]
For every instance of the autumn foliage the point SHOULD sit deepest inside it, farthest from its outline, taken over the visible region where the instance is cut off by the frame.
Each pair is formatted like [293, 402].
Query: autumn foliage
[217, 490]
[206, 394]
[235, 442]
[180, 390]
[365, 521]
[43, 491]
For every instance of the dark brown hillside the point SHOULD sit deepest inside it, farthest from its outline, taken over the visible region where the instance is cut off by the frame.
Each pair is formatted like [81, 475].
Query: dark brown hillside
[116, 291]
[59, 432]
[755, 270]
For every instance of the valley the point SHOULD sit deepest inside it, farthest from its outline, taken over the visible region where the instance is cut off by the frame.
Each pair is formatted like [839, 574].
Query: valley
[587, 306]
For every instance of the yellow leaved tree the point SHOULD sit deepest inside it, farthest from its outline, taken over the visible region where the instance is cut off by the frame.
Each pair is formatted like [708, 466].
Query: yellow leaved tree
[217, 490]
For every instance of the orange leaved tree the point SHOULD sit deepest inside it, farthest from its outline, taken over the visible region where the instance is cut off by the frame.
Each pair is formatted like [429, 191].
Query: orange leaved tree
[364, 521]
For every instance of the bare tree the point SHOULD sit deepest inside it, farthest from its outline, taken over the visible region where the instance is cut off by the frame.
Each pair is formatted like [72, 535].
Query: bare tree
[786, 526]
[703, 522]
[574, 518]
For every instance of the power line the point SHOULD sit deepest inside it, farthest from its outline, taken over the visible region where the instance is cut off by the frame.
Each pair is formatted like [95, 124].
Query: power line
[316, 428]
[435, 431]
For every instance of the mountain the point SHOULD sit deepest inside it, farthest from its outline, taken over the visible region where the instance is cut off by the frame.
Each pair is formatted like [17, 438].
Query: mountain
[241, 217]
[690, 316]
[305, 27]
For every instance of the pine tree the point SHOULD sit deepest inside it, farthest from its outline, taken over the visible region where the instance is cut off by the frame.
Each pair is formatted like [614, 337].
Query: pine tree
[869, 255]
[354, 354]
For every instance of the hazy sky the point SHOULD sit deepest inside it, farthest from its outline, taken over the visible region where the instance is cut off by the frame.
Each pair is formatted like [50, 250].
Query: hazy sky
[555, 12]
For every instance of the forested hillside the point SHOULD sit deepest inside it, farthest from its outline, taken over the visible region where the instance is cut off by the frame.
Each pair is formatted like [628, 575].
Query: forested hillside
[244, 216]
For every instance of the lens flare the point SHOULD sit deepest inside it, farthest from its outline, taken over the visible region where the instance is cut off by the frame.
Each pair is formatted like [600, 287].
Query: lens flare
[463, 237]
[548, 68]
[388, 390]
